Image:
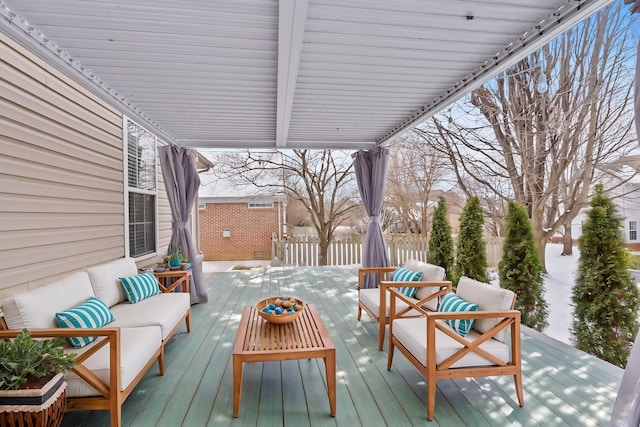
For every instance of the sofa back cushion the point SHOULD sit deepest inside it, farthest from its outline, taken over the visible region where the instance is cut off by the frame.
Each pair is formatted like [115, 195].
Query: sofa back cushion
[37, 308]
[430, 273]
[105, 279]
[488, 298]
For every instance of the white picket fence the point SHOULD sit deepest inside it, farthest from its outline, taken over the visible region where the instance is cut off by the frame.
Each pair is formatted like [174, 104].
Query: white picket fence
[304, 250]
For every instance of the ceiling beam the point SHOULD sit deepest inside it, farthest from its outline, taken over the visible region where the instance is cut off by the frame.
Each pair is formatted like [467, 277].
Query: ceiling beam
[291, 25]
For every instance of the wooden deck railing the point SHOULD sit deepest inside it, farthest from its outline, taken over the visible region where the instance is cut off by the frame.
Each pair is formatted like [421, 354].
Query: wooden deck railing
[304, 250]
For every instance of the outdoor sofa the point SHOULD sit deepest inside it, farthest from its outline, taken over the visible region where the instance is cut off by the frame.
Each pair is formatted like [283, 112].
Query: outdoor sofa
[129, 337]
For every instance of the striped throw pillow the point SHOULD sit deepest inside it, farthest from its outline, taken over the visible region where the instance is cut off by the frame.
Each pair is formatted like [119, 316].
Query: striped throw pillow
[403, 275]
[92, 314]
[453, 303]
[137, 288]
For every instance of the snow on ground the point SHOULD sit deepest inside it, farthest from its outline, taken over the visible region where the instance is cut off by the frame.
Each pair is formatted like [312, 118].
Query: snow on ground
[558, 283]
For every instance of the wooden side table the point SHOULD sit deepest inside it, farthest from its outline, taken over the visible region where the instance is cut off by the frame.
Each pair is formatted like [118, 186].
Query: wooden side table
[183, 277]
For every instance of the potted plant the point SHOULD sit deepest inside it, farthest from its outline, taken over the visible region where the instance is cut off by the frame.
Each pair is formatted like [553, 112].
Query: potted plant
[175, 258]
[32, 387]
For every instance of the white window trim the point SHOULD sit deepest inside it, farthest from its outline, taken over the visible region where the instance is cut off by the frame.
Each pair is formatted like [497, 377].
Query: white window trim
[127, 189]
[260, 205]
[634, 229]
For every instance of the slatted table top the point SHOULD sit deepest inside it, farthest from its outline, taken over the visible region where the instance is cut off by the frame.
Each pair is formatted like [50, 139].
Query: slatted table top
[260, 341]
[306, 336]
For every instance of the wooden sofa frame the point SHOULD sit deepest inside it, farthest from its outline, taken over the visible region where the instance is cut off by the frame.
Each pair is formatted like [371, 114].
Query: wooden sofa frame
[432, 372]
[111, 397]
[384, 284]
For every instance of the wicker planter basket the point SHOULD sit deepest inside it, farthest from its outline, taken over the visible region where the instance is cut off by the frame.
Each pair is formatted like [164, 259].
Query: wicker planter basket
[279, 318]
[39, 408]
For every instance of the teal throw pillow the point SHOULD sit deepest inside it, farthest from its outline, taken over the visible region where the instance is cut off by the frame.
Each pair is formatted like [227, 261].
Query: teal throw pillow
[137, 288]
[92, 314]
[403, 275]
[453, 303]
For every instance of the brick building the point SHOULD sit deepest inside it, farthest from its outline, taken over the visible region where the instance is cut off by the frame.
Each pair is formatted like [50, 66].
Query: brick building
[240, 228]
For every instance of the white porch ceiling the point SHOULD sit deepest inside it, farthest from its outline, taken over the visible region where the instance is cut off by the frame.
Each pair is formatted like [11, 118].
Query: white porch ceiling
[291, 73]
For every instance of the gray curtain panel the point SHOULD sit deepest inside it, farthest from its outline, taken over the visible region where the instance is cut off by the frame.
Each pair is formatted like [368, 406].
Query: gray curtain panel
[371, 167]
[626, 410]
[182, 181]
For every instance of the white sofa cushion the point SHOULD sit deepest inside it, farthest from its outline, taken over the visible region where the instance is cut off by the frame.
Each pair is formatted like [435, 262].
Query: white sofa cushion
[488, 298]
[370, 298]
[412, 334]
[37, 308]
[137, 347]
[105, 279]
[164, 310]
[430, 273]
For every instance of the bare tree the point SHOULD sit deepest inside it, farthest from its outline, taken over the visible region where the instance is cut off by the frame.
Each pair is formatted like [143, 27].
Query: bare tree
[415, 169]
[543, 148]
[321, 180]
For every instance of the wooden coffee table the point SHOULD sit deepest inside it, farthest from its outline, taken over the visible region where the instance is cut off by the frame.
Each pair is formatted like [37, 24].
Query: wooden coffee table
[260, 341]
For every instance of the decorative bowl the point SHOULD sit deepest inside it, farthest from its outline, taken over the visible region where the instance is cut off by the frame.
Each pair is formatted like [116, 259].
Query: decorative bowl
[289, 314]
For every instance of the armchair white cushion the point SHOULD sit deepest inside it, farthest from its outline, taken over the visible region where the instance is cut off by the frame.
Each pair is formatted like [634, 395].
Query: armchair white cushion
[412, 332]
[439, 352]
[488, 298]
[376, 302]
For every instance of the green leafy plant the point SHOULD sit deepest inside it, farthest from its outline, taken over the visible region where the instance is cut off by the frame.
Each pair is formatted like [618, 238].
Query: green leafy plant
[25, 357]
[471, 253]
[520, 269]
[176, 253]
[605, 298]
[634, 261]
[440, 242]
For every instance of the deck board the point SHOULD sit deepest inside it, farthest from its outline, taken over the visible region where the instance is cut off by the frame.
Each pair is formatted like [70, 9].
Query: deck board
[562, 386]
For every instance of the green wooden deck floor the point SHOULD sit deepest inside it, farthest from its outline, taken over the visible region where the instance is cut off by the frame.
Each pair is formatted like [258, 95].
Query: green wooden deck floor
[562, 386]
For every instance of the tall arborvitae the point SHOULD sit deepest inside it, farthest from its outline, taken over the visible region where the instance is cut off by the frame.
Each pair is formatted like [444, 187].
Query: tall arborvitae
[520, 269]
[605, 298]
[471, 255]
[440, 242]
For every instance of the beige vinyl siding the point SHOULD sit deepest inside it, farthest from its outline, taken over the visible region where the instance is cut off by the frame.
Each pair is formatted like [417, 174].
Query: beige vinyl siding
[61, 174]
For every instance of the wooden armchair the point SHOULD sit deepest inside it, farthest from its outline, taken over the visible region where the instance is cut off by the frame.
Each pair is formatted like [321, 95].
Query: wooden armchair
[375, 302]
[439, 352]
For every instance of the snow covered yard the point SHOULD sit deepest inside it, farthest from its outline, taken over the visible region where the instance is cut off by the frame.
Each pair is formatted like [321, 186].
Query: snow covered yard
[558, 283]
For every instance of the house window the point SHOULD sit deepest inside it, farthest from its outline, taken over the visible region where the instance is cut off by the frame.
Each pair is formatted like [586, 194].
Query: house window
[140, 175]
[633, 230]
[260, 205]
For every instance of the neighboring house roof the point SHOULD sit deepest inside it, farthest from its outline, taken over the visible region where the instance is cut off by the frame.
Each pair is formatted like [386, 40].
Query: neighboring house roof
[213, 189]
[218, 191]
[285, 74]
